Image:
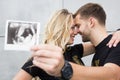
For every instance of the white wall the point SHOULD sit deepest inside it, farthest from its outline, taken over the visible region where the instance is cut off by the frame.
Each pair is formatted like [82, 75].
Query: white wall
[26, 10]
[40, 10]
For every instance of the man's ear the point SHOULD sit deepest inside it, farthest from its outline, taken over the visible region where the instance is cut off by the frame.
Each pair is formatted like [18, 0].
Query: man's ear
[91, 21]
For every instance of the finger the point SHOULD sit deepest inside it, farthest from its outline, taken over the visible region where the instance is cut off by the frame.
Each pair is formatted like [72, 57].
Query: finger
[41, 53]
[35, 48]
[46, 67]
[46, 47]
[115, 43]
[40, 64]
[50, 61]
[47, 54]
[110, 43]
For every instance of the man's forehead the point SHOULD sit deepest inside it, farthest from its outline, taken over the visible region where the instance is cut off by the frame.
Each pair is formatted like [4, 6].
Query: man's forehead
[78, 16]
[76, 23]
[77, 19]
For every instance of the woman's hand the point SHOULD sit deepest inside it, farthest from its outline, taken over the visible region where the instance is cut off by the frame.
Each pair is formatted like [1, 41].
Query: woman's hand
[49, 58]
[114, 40]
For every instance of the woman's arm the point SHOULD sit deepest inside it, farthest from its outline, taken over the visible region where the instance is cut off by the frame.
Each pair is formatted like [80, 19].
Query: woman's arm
[88, 48]
[22, 75]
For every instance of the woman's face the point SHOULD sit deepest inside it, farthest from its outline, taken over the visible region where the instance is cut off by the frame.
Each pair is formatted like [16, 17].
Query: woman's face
[73, 31]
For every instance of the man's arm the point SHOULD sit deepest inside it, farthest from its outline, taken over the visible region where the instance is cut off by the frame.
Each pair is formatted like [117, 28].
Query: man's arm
[88, 48]
[50, 59]
[108, 72]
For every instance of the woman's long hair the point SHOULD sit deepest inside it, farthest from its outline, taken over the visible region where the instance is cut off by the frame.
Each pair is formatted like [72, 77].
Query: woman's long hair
[58, 28]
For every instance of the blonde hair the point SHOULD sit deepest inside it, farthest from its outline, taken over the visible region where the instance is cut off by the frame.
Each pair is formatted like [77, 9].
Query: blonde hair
[57, 29]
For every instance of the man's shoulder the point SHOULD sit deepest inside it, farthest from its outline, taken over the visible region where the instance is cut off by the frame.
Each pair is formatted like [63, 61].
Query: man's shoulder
[115, 50]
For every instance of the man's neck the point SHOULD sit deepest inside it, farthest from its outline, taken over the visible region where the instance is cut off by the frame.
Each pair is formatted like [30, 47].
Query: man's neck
[98, 35]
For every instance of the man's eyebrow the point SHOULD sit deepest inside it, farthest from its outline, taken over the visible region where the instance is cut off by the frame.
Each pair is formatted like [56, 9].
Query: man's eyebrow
[76, 25]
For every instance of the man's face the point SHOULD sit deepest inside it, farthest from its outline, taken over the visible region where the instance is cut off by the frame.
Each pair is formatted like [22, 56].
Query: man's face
[83, 28]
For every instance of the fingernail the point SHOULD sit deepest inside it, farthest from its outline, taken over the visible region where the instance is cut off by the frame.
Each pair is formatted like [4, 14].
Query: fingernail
[109, 46]
[114, 45]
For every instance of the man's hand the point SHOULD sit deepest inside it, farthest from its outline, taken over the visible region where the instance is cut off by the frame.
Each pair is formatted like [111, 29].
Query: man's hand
[49, 58]
[114, 40]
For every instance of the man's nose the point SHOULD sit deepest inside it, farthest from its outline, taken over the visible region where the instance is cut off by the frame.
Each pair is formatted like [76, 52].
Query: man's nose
[76, 31]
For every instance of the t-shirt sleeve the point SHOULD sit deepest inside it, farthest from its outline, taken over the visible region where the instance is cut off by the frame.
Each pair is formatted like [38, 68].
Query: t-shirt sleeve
[114, 56]
[35, 71]
[78, 50]
[29, 68]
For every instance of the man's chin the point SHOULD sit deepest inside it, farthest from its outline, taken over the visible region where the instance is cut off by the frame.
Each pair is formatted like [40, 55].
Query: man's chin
[85, 40]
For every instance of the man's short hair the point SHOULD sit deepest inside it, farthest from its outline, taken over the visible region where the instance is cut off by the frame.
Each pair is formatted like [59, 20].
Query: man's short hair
[92, 10]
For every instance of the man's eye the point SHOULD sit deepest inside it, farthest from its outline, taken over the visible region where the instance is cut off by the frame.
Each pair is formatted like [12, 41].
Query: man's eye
[77, 26]
[73, 27]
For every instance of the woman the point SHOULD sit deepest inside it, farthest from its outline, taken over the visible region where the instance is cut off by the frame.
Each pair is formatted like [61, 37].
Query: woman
[60, 31]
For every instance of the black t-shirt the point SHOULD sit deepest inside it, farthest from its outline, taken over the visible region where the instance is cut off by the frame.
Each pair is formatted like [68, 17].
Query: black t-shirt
[104, 54]
[73, 54]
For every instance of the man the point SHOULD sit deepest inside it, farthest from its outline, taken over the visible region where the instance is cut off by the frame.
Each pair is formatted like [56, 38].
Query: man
[91, 21]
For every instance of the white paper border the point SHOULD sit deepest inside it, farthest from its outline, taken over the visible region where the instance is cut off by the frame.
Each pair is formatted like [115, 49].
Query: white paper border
[22, 47]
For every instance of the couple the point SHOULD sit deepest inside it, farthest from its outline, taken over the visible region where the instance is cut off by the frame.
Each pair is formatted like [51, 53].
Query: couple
[56, 60]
